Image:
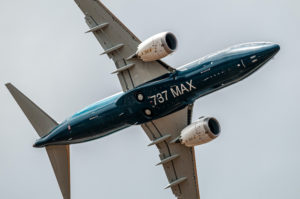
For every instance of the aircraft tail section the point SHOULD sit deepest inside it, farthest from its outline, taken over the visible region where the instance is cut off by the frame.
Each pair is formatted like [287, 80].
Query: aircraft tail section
[40, 120]
[59, 155]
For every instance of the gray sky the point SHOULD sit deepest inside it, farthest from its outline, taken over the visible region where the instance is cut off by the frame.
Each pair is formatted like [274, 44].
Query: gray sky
[46, 54]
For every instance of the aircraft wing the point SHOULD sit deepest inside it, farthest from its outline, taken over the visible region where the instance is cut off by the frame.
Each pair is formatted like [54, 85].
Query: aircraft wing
[177, 160]
[119, 43]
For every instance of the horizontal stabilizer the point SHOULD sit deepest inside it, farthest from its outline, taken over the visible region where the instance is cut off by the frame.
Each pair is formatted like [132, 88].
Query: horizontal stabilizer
[59, 155]
[40, 120]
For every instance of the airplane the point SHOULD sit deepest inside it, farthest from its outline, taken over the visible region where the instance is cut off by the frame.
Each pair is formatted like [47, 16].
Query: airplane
[155, 95]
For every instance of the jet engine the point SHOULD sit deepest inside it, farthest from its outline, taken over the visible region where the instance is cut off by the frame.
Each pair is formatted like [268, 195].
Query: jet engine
[157, 47]
[204, 130]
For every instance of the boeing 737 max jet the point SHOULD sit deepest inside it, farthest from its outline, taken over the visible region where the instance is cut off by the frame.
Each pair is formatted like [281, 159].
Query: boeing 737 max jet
[155, 95]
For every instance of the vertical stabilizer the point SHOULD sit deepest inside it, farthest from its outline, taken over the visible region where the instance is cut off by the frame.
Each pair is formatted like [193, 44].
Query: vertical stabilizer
[59, 155]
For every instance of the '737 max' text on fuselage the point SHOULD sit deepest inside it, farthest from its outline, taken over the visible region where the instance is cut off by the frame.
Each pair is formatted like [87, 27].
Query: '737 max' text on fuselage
[163, 95]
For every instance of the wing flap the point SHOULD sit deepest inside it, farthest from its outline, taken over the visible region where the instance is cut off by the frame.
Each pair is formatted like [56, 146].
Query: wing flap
[177, 160]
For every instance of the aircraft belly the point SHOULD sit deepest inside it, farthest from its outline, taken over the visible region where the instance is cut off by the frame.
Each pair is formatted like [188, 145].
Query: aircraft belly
[97, 125]
[96, 135]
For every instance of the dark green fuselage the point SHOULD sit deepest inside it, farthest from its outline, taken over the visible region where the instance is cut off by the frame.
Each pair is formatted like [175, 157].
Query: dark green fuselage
[162, 96]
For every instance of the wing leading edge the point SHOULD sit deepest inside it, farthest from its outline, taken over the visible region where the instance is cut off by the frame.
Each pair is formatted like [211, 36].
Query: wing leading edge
[177, 160]
[119, 43]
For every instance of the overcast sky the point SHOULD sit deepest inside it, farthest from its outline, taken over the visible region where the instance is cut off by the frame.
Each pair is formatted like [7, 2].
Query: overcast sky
[46, 54]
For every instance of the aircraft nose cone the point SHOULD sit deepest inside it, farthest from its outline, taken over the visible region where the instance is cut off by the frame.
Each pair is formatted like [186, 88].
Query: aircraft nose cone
[271, 49]
[274, 48]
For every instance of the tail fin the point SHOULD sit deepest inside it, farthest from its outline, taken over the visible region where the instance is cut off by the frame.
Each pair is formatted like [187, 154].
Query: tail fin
[59, 155]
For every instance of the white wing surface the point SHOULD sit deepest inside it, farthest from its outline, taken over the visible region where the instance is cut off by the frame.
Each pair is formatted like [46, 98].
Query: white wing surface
[177, 160]
[119, 43]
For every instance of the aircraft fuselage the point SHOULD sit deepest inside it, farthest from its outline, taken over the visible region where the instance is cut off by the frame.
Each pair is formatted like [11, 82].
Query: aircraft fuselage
[163, 95]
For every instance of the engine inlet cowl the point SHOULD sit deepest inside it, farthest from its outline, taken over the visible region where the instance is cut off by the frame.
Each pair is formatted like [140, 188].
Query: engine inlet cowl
[157, 47]
[204, 130]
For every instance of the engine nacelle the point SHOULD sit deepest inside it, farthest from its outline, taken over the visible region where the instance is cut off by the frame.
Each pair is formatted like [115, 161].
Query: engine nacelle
[157, 47]
[204, 130]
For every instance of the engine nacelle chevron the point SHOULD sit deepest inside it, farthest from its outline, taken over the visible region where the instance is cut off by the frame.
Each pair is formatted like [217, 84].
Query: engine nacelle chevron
[204, 130]
[157, 47]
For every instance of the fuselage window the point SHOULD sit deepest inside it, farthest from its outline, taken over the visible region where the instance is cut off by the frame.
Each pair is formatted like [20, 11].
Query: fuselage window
[254, 60]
